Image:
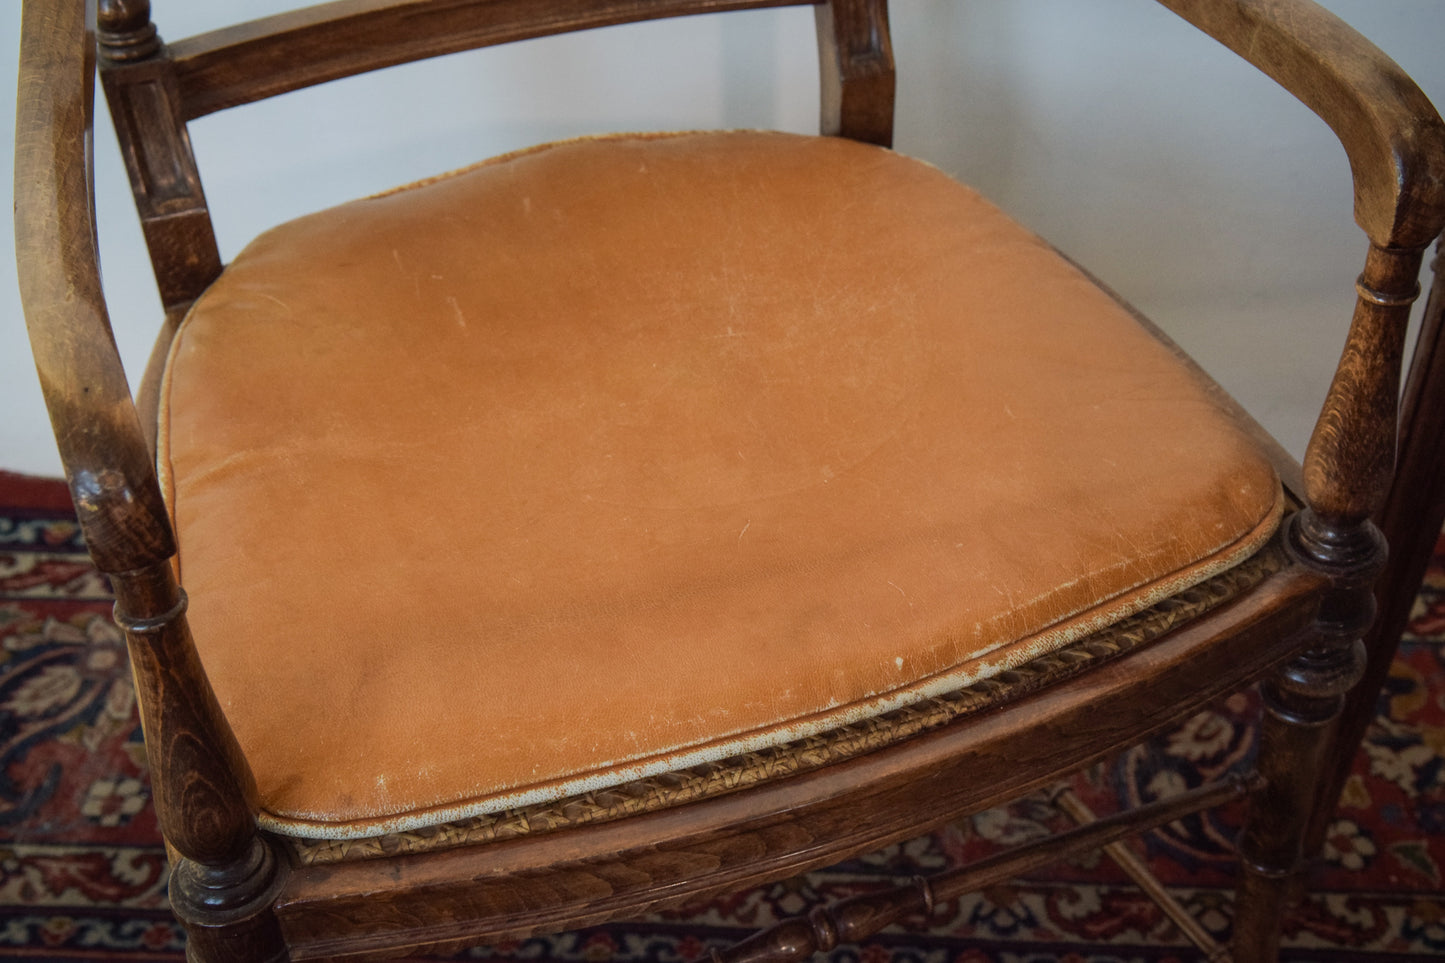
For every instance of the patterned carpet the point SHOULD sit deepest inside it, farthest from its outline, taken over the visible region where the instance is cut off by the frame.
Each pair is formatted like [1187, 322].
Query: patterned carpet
[83, 874]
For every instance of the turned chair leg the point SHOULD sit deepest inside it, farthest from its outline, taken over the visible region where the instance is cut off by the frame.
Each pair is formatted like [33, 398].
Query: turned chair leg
[226, 909]
[1302, 702]
[1411, 520]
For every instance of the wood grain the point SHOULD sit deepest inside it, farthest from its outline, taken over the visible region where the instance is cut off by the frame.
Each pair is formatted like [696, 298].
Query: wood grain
[519, 887]
[273, 55]
[1410, 519]
[107, 465]
[1300, 627]
[1389, 130]
[855, 60]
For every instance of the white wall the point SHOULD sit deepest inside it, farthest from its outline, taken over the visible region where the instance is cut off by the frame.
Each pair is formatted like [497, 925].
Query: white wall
[1154, 157]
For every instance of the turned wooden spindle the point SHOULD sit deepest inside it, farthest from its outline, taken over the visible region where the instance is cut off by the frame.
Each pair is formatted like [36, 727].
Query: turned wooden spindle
[124, 30]
[1347, 473]
[1411, 521]
[858, 917]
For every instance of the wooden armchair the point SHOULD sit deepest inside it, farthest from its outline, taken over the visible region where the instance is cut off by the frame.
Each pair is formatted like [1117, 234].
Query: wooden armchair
[636, 518]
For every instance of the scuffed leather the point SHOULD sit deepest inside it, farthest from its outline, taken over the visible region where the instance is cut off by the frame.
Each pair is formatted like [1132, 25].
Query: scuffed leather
[620, 454]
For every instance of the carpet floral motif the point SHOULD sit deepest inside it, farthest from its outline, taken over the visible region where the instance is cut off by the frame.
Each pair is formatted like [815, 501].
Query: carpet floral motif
[83, 872]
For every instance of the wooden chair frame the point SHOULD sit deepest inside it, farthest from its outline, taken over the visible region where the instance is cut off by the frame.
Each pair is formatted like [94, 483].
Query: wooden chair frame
[239, 894]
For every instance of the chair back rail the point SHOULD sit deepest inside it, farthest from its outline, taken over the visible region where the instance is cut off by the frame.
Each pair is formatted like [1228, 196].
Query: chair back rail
[273, 55]
[154, 88]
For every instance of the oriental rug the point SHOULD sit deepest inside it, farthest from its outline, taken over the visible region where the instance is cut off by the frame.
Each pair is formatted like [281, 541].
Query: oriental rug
[83, 873]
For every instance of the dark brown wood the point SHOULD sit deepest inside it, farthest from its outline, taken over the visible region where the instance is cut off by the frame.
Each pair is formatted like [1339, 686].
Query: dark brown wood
[273, 55]
[201, 786]
[1301, 702]
[101, 445]
[145, 105]
[535, 884]
[227, 909]
[203, 790]
[125, 31]
[855, 60]
[1411, 521]
[223, 885]
[859, 917]
[240, 901]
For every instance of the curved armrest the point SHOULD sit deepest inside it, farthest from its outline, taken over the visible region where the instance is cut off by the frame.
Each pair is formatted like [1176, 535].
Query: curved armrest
[112, 478]
[1393, 136]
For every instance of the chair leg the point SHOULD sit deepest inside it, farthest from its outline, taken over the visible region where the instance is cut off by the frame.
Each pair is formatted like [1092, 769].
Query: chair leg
[1302, 702]
[1411, 520]
[1292, 754]
[227, 910]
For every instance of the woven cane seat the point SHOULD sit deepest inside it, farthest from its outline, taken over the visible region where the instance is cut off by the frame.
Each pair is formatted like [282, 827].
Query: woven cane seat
[616, 456]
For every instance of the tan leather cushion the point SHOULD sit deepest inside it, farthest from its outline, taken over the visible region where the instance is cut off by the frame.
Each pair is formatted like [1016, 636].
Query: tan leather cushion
[617, 455]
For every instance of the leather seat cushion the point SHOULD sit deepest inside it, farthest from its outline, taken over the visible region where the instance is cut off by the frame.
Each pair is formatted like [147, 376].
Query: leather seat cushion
[618, 455]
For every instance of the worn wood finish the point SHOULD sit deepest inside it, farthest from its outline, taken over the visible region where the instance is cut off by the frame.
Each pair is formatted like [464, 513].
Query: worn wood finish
[1389, 131]
[201, 787]
[240, 901]
[263, 58]
[1411, 520]
[1394, 143]
[1351, 454]
[107, 466]
[1302, 700]
[226, 877]
[529, 885]
[140, 86]
[855, 60]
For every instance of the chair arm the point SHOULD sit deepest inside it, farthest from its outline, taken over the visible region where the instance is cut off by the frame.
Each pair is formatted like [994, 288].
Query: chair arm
[111, 475]
[1393, 137]
[1395, 142]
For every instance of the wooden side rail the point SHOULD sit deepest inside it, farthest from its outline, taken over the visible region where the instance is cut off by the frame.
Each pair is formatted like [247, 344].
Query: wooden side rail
[1395, 143]
[262, 58]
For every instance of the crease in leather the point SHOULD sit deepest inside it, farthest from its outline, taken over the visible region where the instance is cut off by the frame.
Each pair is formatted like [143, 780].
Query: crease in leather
[889, 414]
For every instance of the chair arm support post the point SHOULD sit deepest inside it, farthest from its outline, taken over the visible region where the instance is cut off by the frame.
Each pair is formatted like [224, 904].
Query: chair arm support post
[204, 791]
[1392, 135]
[1351, 454]
[107, 463]
[228, 877]
[140, 85]
[858, 78]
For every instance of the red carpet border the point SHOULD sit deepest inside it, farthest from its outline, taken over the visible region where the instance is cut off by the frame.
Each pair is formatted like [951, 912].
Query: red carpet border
[83, 872]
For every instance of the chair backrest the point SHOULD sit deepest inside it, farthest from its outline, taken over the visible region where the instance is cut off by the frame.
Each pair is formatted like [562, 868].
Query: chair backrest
[154, 88]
